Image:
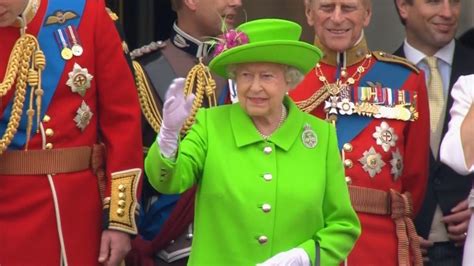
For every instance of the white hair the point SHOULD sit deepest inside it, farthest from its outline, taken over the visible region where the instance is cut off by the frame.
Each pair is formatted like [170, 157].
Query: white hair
[293, 76]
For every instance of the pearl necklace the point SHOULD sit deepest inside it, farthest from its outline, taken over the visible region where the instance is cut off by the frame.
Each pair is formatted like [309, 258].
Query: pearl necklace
[282, 119]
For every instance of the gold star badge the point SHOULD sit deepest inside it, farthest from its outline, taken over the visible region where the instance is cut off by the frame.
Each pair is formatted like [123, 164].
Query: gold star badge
[397, 165]
[372, 162]
[83, 116]
[385, 136]
[79, 80]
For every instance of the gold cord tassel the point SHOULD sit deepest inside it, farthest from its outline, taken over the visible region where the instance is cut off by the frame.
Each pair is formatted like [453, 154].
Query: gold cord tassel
[200, 82]
[22, 69]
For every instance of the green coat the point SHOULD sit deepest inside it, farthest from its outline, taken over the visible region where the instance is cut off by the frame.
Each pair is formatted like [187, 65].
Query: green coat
[250, 189]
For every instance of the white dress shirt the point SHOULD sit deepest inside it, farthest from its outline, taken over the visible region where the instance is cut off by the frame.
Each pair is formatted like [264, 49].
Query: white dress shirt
[445, 61]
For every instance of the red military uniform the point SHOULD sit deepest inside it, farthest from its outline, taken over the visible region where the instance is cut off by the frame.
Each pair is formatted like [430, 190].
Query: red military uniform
[382, 150]
[58, 215]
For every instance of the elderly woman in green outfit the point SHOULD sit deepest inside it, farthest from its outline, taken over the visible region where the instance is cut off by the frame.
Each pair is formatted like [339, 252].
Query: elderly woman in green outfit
[271, 187]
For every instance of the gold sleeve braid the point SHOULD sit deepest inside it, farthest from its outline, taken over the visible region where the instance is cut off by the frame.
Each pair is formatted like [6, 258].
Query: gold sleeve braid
[199, 78]
[147, 101]
[123, 200]
[24, 67]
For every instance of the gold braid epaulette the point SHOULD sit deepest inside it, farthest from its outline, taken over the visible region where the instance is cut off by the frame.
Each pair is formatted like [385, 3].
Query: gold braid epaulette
[147, 101]
[199, 78]
[386, 57]
[24, 67]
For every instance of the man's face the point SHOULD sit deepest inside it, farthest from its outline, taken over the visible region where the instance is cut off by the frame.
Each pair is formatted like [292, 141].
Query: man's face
[211, 14]
[10, 10]
[430, 24]
[338, 23]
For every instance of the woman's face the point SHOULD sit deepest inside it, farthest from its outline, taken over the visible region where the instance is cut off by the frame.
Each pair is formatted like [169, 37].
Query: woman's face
[261, 88]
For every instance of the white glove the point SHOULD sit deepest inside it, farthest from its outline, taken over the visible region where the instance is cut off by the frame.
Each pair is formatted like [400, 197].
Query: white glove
[292, 257]
[176, 110]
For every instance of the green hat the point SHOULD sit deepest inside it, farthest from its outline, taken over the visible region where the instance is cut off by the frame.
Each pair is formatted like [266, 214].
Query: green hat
[269, 40]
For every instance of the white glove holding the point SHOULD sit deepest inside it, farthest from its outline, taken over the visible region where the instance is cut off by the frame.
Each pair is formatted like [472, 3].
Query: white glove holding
[176, 110]
[292, 257]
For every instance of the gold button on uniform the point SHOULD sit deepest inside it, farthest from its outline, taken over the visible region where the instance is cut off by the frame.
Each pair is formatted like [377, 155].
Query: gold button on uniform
[46, 118]
[120, 212]
[266, 207]
[121, 188]
[267, 150]
[49, 146]
[348, 163]
[262, 239]
[121, 203]
[347, 147]
[49, 132]
[348, 180]
[121, 195]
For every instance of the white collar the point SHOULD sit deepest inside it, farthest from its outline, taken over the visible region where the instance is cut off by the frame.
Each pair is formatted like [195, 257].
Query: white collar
[414, 55]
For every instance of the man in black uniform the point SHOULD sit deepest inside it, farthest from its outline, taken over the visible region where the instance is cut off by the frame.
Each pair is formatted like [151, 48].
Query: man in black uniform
[167, 222]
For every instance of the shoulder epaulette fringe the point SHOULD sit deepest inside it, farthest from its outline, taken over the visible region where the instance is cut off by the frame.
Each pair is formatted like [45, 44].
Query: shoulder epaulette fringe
[147, 101]
[153, 46]
[386, 57]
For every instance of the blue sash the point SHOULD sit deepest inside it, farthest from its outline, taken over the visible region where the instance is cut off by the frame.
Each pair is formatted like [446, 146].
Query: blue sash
[389, 75]
[53, 70]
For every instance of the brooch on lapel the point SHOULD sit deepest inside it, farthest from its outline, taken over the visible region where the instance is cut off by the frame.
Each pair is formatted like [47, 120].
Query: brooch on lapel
[309, 138]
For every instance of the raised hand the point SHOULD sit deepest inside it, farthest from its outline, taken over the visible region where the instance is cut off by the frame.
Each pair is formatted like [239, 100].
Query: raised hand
[176, 109]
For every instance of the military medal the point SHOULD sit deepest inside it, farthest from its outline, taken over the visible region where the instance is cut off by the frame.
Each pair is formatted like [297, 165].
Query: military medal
[372, 162]
[345, 106]
[385, 136]
[330, 105]
[397, 165]
[309, 138]
[79, 80]
[83, 116]
[66, 52]
[77, 49]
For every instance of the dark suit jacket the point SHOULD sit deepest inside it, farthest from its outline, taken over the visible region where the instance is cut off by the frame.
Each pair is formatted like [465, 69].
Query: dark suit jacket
[445, 187]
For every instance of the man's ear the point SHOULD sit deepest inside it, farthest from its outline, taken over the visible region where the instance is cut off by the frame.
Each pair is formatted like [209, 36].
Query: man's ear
[191, 4]
[402, 8]
[368, 16]
[309, 13]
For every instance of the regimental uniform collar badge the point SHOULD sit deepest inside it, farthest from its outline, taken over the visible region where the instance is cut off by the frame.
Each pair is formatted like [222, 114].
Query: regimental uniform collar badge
[397, 165]
[309, 137]
[79, 80]
[188, 43]
[60, 17]
[385, 136]
[83, 116]
[372, 162]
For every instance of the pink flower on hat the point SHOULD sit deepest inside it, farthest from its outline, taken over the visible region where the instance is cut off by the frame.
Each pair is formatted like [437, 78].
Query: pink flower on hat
[231, 38]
